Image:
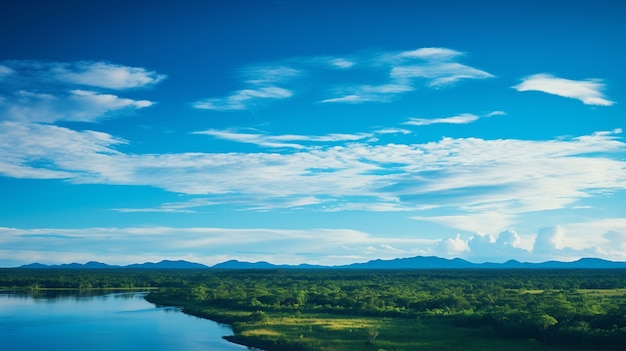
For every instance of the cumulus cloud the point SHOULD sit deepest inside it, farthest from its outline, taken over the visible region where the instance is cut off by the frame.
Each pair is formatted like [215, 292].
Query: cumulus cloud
[548, 240]
[452, 247]
[588, 91]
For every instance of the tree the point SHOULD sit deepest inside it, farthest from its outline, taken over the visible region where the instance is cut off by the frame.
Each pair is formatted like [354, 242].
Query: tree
[372, 333]
[546, 321]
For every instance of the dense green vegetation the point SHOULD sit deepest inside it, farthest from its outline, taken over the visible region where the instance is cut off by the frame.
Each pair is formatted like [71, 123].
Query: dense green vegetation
[380, 309]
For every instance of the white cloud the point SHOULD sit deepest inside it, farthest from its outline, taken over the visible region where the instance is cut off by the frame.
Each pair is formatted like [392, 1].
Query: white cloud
[206, 245]
[29, 150]
[588, 91]
[242, 99]
[262, 83]
[495, 113]
[48, 92]
[478, 222]
[327, 246]
[548, 240]
[486, 182]
[434, 67]
[76, 105]
[342, 63]
[172, 207]
[464, 118]
[437, 74]
[103, 75]
[94, 74]
[431, 54]
[5, 71]
[452, 247]
[282, 141]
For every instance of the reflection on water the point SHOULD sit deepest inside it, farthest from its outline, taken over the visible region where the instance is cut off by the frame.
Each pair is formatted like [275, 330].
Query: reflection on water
[99, 320]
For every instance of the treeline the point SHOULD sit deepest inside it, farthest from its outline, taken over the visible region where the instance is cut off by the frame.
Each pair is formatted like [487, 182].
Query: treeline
[566, 308]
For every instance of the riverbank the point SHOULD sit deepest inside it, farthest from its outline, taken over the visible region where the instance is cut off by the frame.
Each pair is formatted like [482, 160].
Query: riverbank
[278, 331]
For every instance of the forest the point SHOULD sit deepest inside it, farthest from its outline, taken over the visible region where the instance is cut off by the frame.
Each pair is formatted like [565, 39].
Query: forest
[463, 309]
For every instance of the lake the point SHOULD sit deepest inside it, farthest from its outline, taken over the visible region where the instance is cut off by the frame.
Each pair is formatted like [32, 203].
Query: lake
[114, 321]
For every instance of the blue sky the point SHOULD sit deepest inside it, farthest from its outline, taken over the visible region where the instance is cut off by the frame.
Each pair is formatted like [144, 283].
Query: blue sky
[325, 132]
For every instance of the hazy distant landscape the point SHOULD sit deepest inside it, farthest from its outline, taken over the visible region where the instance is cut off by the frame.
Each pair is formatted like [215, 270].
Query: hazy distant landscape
[418, 262]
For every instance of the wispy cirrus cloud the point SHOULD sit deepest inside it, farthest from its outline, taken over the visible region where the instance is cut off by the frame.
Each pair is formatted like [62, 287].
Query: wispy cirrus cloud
[104, 75]
[242, 99]
[46, 92]
[285, 140]
[96, 74]
[473, 176]
[263, 83]
[433, 67]
[464, 118]
[172, 207]
[75, 105]
[588, 91]
[404, 71]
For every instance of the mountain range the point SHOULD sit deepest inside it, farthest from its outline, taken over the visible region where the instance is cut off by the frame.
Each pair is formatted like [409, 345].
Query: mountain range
[418, 262]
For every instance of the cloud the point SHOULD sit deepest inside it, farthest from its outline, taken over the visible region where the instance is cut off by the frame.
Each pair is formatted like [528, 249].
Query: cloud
[47, 92]
[464, 118]
[76, 105]
[95, 74]
[433, 66]
[5, 71]
[172, 207]
[588, 91]
[282, 141]
[405, 71]
[438, 74]
[327, 246]
[262, 83]
[482, 182]
[548, 240]
[431, 54]
[30, 150]
[242, 99]
[207, 245]
[495, 113]
[103, 75]
[452, 247]
[342, 63]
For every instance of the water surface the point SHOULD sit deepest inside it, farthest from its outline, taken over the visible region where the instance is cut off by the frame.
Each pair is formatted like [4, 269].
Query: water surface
[113, 321]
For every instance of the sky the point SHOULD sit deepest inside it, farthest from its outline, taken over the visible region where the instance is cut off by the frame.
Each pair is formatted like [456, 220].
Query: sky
[321, 132]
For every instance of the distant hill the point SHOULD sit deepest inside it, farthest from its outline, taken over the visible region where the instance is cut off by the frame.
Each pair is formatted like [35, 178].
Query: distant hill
[433, 262]
[165, 264]
[417, 262]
